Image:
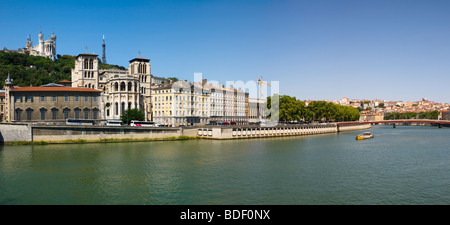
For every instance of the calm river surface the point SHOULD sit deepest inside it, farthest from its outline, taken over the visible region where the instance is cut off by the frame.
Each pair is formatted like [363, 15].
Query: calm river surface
[405, 165]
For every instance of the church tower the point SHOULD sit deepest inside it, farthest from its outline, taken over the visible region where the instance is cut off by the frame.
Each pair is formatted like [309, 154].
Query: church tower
[41, 43]
[140, 68]
[29, 44]
[85, 73]
[8, 102]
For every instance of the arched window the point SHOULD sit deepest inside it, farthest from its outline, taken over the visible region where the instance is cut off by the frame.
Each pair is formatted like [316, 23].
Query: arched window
[95, 113]
[122, 86]
[29, 113]
[18, 114]
[43, 111]
[77, 113]
[66, 113]
[86, 113]
[86, 64]
[54, 113]
[116, 86]
[91, 64]
[130, 86]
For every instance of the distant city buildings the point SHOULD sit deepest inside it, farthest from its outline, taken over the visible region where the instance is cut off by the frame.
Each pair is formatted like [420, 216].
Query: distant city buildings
[375, 109]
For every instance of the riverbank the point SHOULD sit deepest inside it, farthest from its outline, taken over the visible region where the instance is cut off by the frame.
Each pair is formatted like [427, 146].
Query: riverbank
[22, 134]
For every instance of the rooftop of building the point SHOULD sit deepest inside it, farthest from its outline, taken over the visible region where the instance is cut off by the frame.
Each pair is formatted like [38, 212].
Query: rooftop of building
[53, 89]
[140, 59]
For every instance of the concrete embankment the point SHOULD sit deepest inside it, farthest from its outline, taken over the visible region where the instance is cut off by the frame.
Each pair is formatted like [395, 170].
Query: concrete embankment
[276, 131]
[27, 133]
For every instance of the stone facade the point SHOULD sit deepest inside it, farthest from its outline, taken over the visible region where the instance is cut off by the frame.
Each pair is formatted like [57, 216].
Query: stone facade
[49, 103]
[120, 89]
[183, 103]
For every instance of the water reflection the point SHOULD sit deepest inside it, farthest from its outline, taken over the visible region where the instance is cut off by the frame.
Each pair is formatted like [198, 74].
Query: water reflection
[399, 166]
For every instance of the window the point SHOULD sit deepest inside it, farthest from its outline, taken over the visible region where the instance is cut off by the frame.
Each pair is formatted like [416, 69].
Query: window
[42, 98]
[54, 98]
[66, 113]
[66, 98]
[29, 98]
[86, 113]
[29, 113]
[86, 98]
[77, 98]
[94, 98]
[54, 114]
[95, 113]
[77, 113]
[19, 114]
[43, 111]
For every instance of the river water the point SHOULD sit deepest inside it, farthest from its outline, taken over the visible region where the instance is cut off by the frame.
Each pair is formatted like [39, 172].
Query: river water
[405, 165]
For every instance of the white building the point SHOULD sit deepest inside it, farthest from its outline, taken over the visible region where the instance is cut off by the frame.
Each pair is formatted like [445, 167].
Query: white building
[43, 48]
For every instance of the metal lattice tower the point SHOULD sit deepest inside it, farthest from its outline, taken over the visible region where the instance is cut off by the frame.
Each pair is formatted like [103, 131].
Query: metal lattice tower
[103, 47]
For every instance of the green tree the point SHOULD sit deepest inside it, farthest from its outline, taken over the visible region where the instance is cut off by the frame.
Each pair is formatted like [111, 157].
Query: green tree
[291, 109]
[132, 114]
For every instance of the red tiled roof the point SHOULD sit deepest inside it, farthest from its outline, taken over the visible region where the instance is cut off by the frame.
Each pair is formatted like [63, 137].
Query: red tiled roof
[2, 94]
[63, 89]
[65, 81]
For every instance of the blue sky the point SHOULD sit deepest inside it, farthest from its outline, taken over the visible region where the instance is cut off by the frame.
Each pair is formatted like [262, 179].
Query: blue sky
[392, 50]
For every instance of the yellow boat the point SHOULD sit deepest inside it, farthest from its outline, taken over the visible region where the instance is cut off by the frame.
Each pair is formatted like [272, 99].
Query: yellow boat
[365, 135]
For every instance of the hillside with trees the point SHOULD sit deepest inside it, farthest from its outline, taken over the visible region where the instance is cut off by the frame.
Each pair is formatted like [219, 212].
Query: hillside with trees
[26, 70]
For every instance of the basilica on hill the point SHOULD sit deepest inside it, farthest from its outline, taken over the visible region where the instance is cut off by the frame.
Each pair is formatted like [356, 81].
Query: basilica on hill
[45, 48]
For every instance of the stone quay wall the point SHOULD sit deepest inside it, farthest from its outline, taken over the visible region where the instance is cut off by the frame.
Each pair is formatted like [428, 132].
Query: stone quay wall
[233, 132]
[68, 133]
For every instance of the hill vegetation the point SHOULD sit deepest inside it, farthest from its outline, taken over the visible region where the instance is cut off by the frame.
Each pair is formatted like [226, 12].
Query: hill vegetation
[27, 70]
